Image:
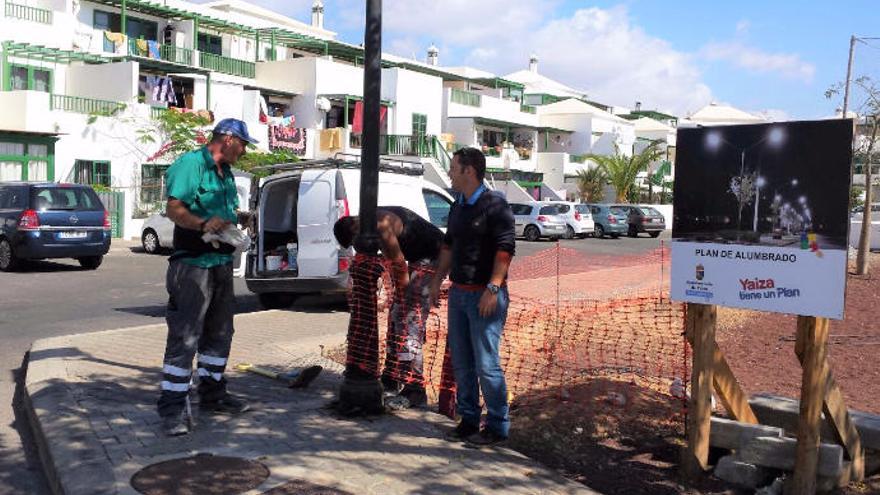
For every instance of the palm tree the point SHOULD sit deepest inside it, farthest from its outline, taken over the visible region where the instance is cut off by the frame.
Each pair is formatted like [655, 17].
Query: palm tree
[591, 184]
[621, 170]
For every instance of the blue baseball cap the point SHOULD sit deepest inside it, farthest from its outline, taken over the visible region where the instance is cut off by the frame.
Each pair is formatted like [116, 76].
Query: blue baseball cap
[234, 127]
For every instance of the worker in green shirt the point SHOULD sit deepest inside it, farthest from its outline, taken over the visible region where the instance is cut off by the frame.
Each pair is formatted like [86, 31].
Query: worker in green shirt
[202, 198]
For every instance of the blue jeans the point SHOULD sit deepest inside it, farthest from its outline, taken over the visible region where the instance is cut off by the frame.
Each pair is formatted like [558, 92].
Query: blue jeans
[474, 343]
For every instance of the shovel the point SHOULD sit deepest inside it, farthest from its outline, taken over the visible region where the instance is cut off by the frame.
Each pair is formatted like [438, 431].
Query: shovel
[297, 378]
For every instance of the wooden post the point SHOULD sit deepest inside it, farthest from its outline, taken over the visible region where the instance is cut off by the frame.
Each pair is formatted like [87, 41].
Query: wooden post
[700, 324]
[812, 336]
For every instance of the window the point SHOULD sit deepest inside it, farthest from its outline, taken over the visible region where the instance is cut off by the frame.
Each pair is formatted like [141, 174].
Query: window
[153, 182]
[135, 28]
[210, 43]
[12, 197]
[519, 209]
[438, 208]
[26, 158]
[270, 54]
[24, 77]
[419, 124]
[65, 198]
[92, 172]
[549, 210]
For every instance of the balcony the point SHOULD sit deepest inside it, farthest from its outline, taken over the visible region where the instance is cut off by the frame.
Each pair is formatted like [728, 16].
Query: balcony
[227, 65]
[528, 109]
[167, 53]
[88, 106]
[466, 98]
[27, 13]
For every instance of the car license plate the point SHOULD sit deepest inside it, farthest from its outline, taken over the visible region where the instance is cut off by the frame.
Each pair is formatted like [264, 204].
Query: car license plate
[72, 235]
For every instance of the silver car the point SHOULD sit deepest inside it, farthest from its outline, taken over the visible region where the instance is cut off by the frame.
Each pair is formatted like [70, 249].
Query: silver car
[536, 220]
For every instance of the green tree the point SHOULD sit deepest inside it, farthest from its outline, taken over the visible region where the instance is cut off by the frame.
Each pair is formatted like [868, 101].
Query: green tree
[177, 132]
[591, 184]
[622, 170]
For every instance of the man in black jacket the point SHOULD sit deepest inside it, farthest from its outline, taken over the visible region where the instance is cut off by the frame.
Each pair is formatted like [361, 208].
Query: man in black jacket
[412, 245]
[477, 250]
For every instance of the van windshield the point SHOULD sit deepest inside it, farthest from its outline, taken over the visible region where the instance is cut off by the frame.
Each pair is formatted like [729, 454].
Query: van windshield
[65, 198]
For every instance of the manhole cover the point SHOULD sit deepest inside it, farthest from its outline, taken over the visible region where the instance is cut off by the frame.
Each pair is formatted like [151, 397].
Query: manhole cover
[200, 475]
[302, 487]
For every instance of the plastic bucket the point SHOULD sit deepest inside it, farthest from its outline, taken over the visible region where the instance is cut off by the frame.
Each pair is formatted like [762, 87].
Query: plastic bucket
[273, 263]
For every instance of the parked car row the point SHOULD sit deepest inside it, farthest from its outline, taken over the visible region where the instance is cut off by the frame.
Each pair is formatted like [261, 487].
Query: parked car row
[561, 219]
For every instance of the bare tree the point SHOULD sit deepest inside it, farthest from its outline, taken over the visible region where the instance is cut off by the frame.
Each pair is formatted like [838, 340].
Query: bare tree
[743, 189]
[866, 139]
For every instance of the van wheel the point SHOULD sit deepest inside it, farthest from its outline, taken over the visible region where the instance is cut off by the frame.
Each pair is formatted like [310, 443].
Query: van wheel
[90, 262]
[150, 241]
[532, 233]
[8, 261]
[599, 231]
[276, 300]
[569, 232]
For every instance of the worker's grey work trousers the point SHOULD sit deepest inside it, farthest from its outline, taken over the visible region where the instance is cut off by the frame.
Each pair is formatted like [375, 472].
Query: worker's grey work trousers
[201, 305]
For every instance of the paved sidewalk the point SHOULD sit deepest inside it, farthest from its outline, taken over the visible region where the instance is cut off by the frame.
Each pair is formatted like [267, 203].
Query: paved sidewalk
[91, 401]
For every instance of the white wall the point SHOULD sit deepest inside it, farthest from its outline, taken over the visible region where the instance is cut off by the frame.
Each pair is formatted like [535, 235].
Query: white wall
[490, 108]
[411, 93]
[25, 111]
[90, 81]
[552, 165]
[463, 130]
[227, 100]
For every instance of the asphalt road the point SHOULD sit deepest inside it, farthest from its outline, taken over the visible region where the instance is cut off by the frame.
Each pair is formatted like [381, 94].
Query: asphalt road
[59, 298]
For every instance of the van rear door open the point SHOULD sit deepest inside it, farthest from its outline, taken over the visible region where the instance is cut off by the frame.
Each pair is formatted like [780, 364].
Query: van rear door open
[316, 214]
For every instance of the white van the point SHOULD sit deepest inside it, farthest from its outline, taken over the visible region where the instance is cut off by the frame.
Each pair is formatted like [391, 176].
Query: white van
[299, 205]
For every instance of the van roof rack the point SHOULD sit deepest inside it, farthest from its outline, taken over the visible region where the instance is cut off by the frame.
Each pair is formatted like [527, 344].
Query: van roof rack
[392, 165]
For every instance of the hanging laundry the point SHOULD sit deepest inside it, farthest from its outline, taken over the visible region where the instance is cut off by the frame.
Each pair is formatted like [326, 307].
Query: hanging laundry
[118, 40]
[141, 47]
[264, 111]
[153, 50]
[289, 138]
[163, 91]
[357, 125]
[331, 139]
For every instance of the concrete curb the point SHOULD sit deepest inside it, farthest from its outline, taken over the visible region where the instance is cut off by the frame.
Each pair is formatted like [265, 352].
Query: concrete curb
[55, 420]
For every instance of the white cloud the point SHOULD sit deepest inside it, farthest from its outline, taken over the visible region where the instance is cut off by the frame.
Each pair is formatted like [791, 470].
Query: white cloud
[788, 65]
[743, 26]
[595, 50]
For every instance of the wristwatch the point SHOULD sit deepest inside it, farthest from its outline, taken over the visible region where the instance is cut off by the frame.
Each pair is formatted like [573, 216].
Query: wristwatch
[493, 288]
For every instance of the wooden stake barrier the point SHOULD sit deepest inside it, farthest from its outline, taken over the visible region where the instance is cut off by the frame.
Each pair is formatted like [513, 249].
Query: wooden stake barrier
[818, 392]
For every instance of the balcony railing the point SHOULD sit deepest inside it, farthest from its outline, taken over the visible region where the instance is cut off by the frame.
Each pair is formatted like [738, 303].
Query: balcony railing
[227, 65]
[167, 53]
[393, 144]
[527, 108]
[89, 106]
[577, 158]
[466, 98]
[27, 13]
[157, 112]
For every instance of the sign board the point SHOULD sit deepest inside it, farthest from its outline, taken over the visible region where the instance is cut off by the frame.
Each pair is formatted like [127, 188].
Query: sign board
[761, 216]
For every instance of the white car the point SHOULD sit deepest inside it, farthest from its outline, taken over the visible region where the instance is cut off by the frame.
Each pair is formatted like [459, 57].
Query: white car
[157, 233]
[579, 221]
[537, 219]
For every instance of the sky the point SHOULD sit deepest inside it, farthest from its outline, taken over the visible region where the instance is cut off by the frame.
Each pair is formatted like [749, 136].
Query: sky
[777, 58]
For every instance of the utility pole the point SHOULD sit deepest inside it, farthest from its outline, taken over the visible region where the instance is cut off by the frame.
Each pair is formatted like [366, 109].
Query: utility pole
[361, 391]
[852, 54]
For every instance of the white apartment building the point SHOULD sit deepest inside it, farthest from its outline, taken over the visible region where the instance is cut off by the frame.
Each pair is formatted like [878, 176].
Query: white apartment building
[83, 81]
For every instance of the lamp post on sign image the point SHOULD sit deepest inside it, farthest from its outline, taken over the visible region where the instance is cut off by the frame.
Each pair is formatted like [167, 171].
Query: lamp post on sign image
[775, 137]
[759, 183]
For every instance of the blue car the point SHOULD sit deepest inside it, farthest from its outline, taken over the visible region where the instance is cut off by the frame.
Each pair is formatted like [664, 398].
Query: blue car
[609, 219]
[42, 220]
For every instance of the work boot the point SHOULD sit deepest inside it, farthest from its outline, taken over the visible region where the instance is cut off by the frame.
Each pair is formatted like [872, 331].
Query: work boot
[391, 386]
[177, 424]
[461, 432]
[415, 395]
[228, 404]
[485, 438]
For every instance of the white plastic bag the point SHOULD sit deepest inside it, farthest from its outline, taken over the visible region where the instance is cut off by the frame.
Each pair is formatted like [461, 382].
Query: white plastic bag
[231, 235]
